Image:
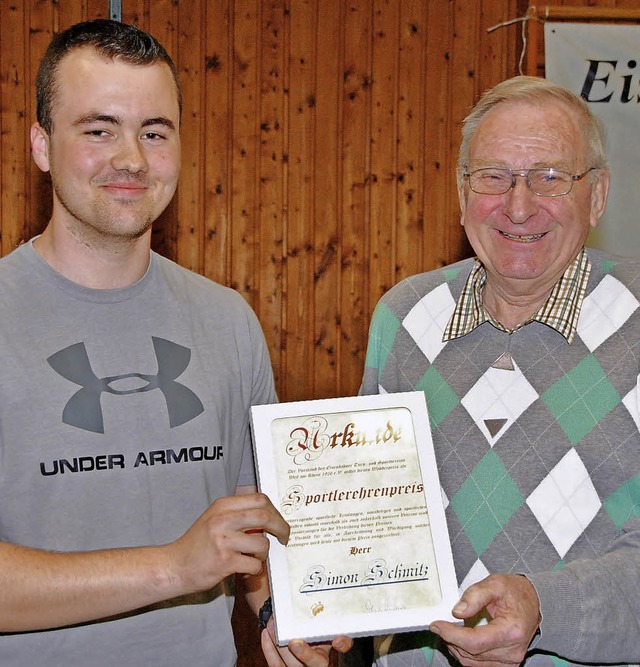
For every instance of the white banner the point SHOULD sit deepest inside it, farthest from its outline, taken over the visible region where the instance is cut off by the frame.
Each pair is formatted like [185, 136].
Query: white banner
[601, 62]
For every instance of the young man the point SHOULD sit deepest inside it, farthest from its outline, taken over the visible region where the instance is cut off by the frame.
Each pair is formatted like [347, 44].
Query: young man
[127, 499]
[529, 357]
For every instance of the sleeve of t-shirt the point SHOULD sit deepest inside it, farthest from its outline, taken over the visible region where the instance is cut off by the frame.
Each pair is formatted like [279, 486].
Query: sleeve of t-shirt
[262, 393]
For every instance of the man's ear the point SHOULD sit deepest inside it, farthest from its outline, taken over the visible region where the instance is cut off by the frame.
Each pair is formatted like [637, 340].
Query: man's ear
[599, 192]
[462, 198]
[40, 146]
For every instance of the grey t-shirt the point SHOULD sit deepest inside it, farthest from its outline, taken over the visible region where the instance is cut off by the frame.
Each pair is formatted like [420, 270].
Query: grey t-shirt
[123, 414]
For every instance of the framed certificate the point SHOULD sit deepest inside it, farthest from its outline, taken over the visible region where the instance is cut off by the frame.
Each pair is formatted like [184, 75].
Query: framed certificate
[369, 550]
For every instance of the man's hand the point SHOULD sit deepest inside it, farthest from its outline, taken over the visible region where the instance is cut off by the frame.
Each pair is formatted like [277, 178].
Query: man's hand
[512, 602]
[227, 539]
[299, 653]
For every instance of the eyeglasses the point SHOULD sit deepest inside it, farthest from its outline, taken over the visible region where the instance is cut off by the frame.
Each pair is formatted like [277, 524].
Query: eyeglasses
[544, 182]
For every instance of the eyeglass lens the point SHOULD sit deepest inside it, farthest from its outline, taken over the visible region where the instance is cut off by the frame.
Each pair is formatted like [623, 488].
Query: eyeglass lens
[545, 182]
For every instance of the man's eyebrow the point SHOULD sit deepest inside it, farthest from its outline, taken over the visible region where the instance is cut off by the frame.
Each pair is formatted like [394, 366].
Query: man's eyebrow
[98, 118]
[116, 120]
[161, 120]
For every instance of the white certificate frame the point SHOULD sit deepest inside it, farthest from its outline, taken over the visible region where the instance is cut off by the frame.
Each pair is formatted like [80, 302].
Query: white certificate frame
[347, 475]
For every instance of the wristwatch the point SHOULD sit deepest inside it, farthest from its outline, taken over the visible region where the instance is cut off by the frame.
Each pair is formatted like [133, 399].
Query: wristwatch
[265, 613]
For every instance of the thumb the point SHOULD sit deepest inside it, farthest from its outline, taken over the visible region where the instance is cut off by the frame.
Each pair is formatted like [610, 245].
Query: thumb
[473, 600]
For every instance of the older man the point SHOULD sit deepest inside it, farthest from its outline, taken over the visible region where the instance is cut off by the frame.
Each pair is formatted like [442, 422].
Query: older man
[529, 356]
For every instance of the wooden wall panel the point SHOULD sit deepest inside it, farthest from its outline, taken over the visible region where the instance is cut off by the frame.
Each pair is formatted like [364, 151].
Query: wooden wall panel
[14, 124]
[384, 157]
[218, 150]
[190, 221]
[412, 103]
[440, 131]
[269, 261]
[353, 194]
[328, 174]
[243, 133]
[299, 307]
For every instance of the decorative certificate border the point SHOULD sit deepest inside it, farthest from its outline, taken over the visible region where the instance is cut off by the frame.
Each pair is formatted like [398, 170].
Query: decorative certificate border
[356, 479]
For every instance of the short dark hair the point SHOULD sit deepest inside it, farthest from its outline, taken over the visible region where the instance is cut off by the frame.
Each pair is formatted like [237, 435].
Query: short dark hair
[111, 39]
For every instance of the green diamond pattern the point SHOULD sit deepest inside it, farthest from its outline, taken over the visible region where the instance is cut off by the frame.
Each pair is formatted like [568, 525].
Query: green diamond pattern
[451, 274]
[486, 501]
[581, 398]
[389, 324]
[623, 503]
[426, 641]
[441, 399]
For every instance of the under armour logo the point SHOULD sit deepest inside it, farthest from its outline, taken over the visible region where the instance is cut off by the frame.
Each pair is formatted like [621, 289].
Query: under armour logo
[84, 410]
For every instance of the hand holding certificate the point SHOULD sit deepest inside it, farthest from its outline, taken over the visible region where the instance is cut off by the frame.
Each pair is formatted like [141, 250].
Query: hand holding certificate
[356, 479]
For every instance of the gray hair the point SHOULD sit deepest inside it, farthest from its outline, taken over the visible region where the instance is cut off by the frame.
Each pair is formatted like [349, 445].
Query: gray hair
[535, 90]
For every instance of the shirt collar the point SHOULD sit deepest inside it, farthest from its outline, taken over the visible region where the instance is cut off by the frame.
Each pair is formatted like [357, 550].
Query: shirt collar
[560, 311]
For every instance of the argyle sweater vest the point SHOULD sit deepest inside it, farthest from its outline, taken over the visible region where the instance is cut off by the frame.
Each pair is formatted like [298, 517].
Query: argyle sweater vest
[537, 440]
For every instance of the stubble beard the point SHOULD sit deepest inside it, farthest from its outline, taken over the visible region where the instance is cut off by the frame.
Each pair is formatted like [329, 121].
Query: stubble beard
[103, 224]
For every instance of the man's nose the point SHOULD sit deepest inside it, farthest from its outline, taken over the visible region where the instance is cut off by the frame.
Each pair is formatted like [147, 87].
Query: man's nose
[520, 202]
[129, 156]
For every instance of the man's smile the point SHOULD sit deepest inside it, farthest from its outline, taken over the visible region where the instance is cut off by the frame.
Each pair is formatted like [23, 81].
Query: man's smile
[525, 238]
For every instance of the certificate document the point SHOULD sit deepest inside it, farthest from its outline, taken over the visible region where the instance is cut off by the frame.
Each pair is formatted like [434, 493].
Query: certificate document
[369, 550]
